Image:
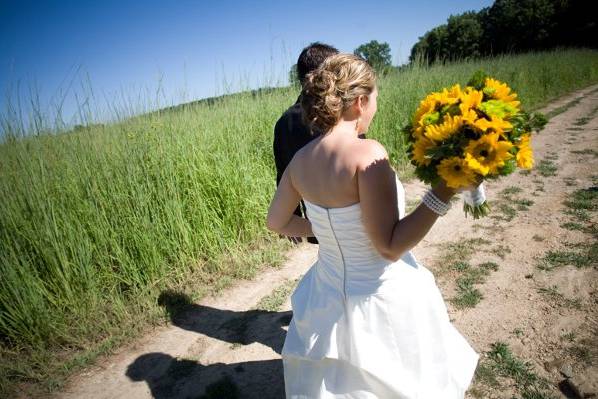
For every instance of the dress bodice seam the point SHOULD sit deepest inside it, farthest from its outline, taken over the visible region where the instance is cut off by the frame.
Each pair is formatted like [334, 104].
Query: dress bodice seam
[342, 255]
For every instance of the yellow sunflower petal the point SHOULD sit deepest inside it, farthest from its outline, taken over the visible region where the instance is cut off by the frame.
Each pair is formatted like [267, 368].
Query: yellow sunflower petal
[426, 106]
[470, 117]
[419, 150]
[448, 96]
[525, 156]
[474, 164]
[456, 172]
[445, 129]
[499, 90]
[470, 99]
[495, 124]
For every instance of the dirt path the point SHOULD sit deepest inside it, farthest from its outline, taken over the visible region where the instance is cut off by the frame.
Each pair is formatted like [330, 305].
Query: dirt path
[487, 270]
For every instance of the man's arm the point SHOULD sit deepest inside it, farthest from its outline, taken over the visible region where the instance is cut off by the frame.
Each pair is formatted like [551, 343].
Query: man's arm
[278, 148]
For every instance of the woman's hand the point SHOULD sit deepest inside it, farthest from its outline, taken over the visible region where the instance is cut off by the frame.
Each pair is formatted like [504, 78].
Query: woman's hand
[442, 191]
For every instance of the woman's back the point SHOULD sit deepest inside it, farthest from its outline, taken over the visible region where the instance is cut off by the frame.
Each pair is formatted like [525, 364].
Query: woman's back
[324, 172]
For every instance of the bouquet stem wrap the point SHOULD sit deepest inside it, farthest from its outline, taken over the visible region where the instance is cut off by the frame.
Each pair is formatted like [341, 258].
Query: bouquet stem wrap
[474, 202]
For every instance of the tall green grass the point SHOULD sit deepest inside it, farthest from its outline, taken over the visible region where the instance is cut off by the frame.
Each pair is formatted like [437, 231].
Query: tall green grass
[94, 224]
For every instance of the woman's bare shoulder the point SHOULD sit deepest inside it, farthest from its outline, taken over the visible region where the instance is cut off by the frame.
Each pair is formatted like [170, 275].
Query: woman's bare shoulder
[369, 151]
[301, 154]
[300, 159]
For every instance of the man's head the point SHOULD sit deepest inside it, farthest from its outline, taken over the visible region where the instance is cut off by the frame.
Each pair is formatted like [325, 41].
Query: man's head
[311, 57]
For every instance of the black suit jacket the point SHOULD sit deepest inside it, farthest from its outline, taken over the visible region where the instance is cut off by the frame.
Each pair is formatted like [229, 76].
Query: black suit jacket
[290, 135]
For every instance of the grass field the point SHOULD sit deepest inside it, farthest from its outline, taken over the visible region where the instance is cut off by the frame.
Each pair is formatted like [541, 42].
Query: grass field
[94, 224]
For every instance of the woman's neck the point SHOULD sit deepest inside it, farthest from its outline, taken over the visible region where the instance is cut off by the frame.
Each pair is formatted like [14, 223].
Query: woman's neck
[345, 128]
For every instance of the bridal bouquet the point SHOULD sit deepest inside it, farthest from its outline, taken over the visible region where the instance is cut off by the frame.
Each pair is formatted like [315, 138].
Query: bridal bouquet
[467, 135]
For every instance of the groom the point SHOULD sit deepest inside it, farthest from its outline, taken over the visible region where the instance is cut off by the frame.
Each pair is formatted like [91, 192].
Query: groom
[290, 132]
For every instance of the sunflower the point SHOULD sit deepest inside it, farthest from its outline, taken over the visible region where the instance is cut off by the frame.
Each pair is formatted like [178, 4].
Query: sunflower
[470, 117]
[426, 106]
[488, 153]
[418, 133]
[525, 156]
[457, 172]
[448, 96]
[430, 108]
[430, 118]
[445, 129]
[495, 124]
[419, 150]
[500, 91]
[470, 99]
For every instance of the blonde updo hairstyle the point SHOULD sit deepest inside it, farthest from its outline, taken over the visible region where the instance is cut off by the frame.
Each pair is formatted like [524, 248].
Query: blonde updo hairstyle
[331, 89]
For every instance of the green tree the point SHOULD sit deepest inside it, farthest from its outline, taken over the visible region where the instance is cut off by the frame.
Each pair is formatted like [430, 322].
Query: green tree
[576, 24]
[519, 25]
[464, 35]
[376, 54]
[432, 46]
[459, 38]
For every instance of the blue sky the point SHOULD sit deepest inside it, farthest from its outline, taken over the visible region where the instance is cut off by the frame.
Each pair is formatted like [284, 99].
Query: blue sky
[191, 49]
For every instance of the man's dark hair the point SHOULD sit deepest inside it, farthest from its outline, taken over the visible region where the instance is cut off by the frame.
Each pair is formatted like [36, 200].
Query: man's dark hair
[311, 57]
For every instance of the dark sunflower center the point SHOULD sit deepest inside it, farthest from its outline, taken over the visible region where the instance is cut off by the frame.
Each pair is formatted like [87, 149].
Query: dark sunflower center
[457, 168]
[484, 153]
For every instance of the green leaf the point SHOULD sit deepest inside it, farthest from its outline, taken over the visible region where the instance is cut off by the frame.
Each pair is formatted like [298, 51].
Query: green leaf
[509, 167]
[537, 121]
[478, 80]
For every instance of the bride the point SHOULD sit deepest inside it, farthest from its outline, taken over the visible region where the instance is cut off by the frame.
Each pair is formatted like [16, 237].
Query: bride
[368, 319]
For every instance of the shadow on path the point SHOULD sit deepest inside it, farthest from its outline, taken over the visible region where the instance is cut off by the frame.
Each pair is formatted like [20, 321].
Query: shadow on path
[230, 326]
[168, 377]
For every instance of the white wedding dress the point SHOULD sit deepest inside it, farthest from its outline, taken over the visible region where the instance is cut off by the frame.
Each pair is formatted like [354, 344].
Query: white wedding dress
[367, 327]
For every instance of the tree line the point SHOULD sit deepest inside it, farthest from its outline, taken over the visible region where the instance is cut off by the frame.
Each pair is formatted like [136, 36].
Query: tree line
[510, 26]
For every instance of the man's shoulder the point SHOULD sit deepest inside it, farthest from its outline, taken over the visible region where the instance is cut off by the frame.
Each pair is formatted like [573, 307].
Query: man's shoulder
[293, 112]
[291, 124]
